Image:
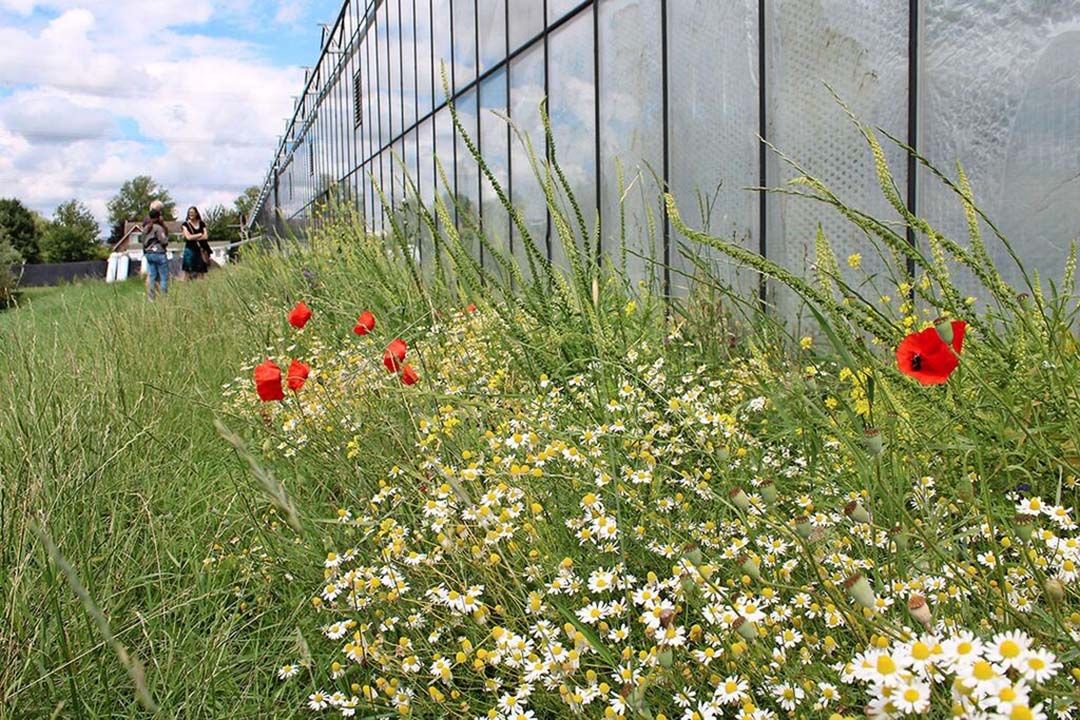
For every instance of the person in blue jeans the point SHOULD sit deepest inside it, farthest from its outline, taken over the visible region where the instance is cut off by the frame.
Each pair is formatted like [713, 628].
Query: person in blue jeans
[155, 240]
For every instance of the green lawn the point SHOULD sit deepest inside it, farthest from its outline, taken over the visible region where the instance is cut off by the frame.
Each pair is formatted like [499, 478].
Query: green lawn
[107, 440]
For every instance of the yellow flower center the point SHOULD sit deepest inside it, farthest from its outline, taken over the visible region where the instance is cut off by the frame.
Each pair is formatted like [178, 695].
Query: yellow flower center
[1009, 649]
[885, 665]
[911, 695]
[982, 670]
[920, 651]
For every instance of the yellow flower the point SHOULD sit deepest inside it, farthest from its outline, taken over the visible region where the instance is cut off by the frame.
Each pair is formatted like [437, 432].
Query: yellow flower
[854, 261]
[806, 342]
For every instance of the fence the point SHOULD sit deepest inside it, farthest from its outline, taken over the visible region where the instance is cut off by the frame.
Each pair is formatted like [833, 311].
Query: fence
[48, 274]
[686, 94]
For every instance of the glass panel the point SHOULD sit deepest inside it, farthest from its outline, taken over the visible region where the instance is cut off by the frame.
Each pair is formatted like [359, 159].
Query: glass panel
[382, 72]
[494, 147]
[468, 175]
[423, 57]
[492, 18]
[860, 50]
[526, 92]
[444, 150]
[464, 43]
[573, 121]
[393, 63]
[713, 114]
[526, 21]
[408, 64]
[426, 176]
[631, 132]
[1008, 108]
[410, 216]
[557, 8]
[443, 56]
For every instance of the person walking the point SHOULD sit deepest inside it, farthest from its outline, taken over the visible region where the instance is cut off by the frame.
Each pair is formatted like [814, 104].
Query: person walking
[155, 241]
[196, 248]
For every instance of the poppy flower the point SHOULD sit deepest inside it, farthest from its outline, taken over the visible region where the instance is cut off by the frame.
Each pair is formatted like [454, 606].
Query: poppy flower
[408, 374]
[365, 323]
[268, 382]
[299, 315]
[927, 357]
[297, 375]
[394, 355]
[470, 308]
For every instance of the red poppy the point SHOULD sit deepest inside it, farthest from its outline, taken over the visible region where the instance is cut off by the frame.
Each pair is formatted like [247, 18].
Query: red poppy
[926, 357]
[268, 382]
[300, 315]
[408, 374]
[365, 323]
[470, 308]
[297, 375]
[394, 355]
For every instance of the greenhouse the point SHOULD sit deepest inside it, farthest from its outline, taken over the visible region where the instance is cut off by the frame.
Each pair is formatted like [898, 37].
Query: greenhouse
[690, 95]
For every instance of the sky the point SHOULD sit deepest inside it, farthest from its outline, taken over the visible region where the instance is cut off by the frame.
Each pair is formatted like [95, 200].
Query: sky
[191, 92]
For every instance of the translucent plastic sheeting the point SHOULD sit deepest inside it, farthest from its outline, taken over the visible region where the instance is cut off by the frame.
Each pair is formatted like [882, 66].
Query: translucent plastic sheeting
[713, 125]
[526, 92]
[1001, 95]
[631, 132]
[495, 149]
[571, 107]
[859, 48]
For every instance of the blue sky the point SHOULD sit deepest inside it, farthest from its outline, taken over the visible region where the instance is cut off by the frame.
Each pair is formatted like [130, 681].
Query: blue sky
[191, 92]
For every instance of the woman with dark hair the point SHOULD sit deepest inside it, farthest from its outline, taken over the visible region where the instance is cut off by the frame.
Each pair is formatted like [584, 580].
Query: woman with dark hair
[196, 248]
[155, 242]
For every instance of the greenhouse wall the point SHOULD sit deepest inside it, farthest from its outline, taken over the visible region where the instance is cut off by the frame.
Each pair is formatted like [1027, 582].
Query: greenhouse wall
[693, 95]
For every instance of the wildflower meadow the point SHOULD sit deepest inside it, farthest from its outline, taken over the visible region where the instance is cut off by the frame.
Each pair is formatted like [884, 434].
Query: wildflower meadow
[485, 490]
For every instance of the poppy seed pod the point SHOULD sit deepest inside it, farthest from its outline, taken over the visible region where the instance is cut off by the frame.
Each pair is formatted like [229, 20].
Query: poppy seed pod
[1025, 526]
[739, 498]
[768, 491]
[875, 445]
[859, 588]
[750, 565]
[857, 512]
[919, 610]
[746, 629]
[693, 554]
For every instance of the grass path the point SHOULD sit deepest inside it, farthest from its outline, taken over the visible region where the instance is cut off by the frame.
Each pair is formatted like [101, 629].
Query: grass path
[107, 441]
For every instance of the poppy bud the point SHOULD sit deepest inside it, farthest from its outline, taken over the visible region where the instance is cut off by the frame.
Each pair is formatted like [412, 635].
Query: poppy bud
[750, 566]
[746, 629]
[408, 375]
[394, 355]
[1055, 590]
[859, 588]
[965, 490]
[268, 382]
[666, 658]
[857, 512]
[803, 527]
[666, 618]
[365, 323]
[768, 491]
[919, 610]
[297, 375]
[944, 329]
[299, 315]
[739, 498]
[874, 443]
[1025, 526]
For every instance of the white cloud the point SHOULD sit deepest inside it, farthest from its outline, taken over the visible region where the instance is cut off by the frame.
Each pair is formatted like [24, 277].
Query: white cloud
[207, 110]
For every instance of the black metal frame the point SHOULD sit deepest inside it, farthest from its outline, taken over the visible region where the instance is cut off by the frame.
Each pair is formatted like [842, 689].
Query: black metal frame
[360, 156]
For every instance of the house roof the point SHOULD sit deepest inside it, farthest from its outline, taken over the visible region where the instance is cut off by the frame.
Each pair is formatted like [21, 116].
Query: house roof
[133, 229]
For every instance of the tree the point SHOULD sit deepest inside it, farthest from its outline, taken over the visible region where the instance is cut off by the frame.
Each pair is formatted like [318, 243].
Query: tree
[72, 236]
[222, 224]
[246, 202]
[133, 200]
[9, 257]
[17, 223]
